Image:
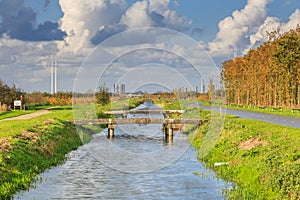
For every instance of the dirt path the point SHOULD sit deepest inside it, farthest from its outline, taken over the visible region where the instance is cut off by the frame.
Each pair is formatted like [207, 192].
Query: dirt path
[29, 116]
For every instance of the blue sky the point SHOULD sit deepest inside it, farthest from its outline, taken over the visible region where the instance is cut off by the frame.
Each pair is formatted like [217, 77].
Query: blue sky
[196, 10]
[31, 30]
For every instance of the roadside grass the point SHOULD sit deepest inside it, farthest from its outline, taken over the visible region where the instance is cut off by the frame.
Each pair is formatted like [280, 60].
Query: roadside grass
[269, 169]
[11, 128]
[14, 113]
[268, 110]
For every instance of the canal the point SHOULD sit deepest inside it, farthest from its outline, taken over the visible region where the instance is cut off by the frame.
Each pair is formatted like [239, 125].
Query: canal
[137, 164]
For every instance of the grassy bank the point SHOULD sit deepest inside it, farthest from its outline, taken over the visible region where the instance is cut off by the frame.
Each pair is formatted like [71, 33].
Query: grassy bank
[262, 159]
[29, 147]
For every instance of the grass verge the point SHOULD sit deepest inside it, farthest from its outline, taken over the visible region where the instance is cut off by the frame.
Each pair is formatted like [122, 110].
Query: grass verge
[268, 110]
[14, 113]
[261, 159]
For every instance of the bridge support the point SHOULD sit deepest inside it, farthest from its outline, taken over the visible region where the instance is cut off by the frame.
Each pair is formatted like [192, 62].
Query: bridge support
[168, 130]
[111, 130]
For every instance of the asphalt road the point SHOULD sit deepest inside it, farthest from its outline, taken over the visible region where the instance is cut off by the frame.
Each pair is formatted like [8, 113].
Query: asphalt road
[275, 119]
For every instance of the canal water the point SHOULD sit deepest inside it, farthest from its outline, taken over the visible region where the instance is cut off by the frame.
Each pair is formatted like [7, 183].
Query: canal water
[137, 164]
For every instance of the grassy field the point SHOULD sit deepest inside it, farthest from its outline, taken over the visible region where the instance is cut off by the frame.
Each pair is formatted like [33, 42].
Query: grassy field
[261, 159]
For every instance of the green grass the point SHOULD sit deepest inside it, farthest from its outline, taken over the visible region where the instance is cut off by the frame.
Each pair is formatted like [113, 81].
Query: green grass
[11, 128]
[269, 171]
[268, 110]
[16, 113]
[28, 147]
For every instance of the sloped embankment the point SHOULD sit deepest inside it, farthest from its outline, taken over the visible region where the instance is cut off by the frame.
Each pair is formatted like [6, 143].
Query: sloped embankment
[262, 159]
[32, 151]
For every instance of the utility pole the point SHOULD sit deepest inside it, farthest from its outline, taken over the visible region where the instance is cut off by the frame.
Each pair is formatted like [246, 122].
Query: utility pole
[53, 66]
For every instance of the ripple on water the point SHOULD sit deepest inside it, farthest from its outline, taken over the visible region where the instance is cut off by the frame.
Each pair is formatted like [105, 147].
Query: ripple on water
[90, 172]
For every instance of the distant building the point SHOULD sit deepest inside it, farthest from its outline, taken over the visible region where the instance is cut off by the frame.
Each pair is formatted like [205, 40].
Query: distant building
[119, 89]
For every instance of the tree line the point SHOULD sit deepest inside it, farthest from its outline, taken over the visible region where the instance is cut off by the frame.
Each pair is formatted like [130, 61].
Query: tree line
[8, 94]
[268, 75]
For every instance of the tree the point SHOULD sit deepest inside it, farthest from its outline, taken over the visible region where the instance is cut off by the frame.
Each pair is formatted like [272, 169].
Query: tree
[9, 94]
[103, 95]
[268, 75]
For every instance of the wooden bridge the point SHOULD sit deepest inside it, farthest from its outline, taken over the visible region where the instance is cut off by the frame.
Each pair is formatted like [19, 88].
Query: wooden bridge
[168, 124]
[124, 113]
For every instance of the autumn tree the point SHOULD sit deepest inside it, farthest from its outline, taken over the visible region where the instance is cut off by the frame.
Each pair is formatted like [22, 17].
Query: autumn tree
[268, 75]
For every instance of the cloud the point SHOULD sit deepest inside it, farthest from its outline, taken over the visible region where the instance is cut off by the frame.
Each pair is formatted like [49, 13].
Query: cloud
[154, 13]
[25, 45]
[19, 22]
[271, 24]
[25, 63]
[90, 22]
[234, 30]
[106, 32]
[83, 19]
[137, 15]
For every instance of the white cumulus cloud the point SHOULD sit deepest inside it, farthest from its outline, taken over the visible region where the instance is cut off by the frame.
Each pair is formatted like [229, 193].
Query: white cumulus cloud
[271, 24]
[82, 19]
[234, 30]
[137, 15]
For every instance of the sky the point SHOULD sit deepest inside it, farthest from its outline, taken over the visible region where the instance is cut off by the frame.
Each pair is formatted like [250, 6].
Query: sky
[97, 41]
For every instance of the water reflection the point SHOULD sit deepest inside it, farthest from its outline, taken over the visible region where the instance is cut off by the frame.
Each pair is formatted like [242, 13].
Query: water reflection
[139, 163]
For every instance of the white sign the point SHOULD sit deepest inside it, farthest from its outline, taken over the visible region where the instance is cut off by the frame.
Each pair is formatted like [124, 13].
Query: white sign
[17, 103]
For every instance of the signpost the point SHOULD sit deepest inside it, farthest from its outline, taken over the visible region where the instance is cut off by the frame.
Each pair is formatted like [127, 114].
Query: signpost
[17, 103]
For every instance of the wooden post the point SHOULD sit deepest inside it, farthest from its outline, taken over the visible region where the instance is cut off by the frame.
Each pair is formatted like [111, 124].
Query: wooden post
[111, 130]
[164, 129]
[168, 139]
[169, 130]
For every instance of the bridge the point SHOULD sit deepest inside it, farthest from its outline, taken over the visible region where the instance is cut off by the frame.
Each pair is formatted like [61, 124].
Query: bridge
[168, 124]
[124, 113]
